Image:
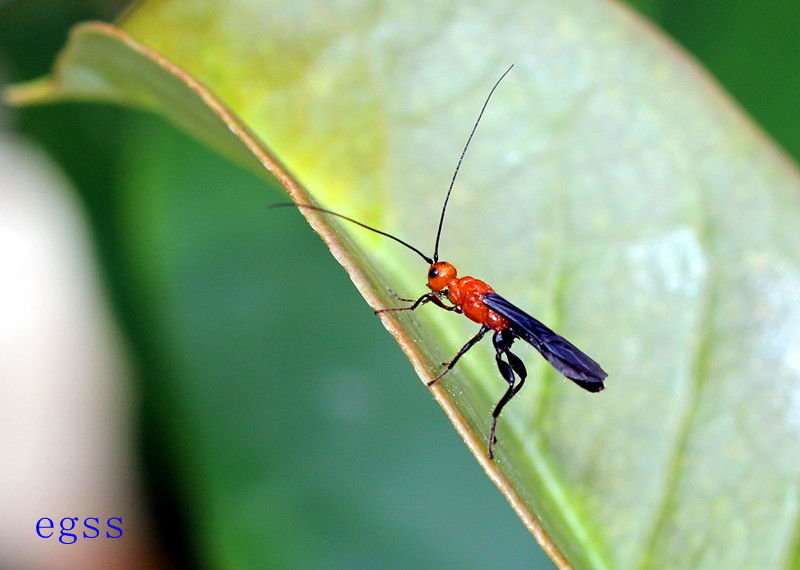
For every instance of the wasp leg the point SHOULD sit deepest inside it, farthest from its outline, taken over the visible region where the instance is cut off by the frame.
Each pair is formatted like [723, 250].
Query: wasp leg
[470, 343]
[426, 298]
[519, 367]
[502, 343]
[399, 298]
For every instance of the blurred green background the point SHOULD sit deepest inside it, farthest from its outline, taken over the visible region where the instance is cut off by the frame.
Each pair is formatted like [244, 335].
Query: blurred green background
[277, 423]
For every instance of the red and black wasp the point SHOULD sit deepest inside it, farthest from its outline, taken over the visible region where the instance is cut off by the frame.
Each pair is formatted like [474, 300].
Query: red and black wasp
[478, 302]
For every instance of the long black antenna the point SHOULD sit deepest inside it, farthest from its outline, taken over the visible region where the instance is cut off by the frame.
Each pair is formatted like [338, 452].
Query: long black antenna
[447, 198]
[365, 226]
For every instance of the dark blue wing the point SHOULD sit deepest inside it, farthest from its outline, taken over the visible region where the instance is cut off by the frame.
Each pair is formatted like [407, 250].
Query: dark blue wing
[562, 354]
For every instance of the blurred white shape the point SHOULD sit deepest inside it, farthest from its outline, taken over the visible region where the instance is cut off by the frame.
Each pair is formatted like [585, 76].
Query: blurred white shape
[671, 261]
[65, 420]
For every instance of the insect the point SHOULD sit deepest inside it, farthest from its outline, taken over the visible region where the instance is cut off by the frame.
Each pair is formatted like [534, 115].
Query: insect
[477, 301]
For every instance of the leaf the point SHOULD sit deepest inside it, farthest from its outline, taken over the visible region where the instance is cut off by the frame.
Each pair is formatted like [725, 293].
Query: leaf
[611, 190]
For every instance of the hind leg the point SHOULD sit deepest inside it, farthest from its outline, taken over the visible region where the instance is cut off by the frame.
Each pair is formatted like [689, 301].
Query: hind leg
[513, 364]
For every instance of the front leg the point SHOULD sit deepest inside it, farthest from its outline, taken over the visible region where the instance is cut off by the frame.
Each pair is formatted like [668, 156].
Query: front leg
[426, 298]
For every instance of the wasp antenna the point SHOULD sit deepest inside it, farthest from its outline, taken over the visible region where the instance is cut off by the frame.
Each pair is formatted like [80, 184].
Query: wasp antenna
[466, 146]
[365, 226]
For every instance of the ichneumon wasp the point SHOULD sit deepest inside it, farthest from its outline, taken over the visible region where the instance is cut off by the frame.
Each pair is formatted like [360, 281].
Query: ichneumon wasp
[478, 302]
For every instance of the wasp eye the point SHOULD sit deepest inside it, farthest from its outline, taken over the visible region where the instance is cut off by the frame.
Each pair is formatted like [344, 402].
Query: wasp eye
[434, 272]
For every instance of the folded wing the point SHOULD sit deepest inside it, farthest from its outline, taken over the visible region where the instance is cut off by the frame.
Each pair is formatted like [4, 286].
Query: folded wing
[562, 354]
